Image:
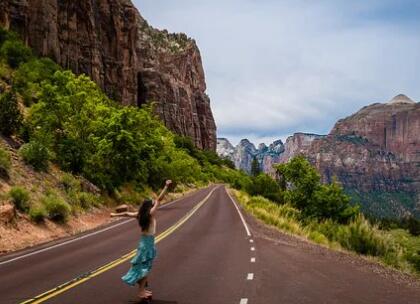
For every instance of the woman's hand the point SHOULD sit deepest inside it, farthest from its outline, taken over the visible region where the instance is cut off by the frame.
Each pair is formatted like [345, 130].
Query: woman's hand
[168, 182]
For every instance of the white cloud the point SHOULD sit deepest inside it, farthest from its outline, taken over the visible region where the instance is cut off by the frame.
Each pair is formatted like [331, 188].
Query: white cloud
[278, 67]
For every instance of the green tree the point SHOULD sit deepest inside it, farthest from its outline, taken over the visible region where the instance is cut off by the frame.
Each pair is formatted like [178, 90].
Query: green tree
[10, 115]
[255, 167]
[15, 52]
[306, 192]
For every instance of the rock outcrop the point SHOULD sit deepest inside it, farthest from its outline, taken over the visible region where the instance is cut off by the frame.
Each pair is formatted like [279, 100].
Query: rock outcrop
[375, 154]
[131, 61]
[244, 153]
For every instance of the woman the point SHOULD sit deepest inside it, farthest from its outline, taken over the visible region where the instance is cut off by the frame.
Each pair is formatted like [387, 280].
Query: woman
[141, 264]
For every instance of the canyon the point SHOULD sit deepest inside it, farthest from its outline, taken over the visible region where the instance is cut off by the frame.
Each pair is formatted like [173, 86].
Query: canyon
[130, 60]
[374, 154]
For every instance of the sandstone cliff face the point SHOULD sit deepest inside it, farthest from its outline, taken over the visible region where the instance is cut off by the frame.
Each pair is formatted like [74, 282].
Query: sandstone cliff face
[375, 153]
[131, 61]
[394, 127]
[297, 144]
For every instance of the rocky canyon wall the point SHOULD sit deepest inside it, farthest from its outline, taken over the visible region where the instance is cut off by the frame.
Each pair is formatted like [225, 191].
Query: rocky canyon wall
[374, 154]
[131, 61]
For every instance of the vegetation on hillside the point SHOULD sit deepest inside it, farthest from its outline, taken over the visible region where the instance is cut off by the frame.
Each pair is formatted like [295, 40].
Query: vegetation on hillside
[323, 214]
[61, 119]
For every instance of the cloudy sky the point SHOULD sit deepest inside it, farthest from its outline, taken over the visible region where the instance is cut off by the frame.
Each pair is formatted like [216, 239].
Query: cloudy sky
[277, 67]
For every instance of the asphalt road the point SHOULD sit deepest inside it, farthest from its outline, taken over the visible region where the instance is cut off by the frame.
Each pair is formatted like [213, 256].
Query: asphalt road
[208, 257]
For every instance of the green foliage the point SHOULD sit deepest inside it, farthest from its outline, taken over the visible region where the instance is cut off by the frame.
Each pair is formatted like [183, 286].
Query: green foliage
[413, 226]
[396, 248]
[255, 167]
[5, 162]
[15, 52]
[266, 186]
[87, 200]
[37, 213]
[10, 116]
[70, 183]
[307, 193]
[29, 76]
[35, 154]
[20, 198]
[56, 207]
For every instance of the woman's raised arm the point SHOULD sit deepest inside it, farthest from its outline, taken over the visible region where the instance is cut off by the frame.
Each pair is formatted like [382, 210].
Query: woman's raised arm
[124, 214]
[160, 197]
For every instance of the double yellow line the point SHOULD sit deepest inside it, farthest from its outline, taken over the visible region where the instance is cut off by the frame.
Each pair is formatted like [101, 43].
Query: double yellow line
[87, 276]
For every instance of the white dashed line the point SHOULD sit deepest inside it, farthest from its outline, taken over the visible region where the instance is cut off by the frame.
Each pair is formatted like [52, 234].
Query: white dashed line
[252, 248]
[250, 276]
[252, 260]
[251, 241]
[243, 301]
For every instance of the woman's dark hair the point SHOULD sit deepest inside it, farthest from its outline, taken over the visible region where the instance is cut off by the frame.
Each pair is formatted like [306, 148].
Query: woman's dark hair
[143, 216]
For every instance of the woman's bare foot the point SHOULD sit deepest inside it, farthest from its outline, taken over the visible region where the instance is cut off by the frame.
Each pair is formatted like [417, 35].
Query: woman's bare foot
[143, 295]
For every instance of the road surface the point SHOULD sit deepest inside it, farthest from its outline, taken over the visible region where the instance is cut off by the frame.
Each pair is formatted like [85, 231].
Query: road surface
[207, 253]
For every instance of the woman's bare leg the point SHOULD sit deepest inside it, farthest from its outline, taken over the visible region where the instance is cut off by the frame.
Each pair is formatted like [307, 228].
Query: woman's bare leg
[142, 291]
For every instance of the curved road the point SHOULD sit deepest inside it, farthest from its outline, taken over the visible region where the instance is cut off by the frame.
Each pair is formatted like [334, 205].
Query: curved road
[205, 255]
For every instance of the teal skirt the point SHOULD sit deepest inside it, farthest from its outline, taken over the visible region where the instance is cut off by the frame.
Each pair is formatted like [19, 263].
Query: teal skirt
[141, 264]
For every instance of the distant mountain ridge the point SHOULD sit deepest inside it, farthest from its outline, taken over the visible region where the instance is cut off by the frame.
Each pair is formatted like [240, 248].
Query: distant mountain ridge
[374, 153]
[243, 154]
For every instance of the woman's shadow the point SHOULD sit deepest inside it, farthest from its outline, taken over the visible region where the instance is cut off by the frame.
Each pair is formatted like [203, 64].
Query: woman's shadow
[154, 302]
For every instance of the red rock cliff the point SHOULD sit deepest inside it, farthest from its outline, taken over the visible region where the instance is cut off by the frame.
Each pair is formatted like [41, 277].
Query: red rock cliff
[132, 62]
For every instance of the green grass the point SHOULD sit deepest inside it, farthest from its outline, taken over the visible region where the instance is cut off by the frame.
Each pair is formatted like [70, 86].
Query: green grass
[395, 248]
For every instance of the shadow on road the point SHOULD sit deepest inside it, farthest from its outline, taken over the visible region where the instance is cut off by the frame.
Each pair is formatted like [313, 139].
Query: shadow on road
[155, 302]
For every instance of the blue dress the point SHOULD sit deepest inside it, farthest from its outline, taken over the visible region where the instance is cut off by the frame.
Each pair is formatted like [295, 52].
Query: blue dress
[141, 264]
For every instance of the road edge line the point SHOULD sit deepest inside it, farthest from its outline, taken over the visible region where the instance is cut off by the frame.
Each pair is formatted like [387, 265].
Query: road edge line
[248, 233]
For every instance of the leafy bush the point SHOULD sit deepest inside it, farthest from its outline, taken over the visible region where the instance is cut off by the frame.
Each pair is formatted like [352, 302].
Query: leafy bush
[37, 213]
[57, 208]
[264, 185]
[15, 52]
[20, 198]
[306, 192]
[35, 154]
[10, 116]
[29, 76]
[5, 162]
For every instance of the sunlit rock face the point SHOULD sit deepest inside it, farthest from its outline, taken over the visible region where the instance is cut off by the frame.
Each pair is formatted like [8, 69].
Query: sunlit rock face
[375, 154]
[131, 61]
[244, 153]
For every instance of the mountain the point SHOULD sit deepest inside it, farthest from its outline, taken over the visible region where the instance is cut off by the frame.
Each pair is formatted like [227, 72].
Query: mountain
[243, 154]
[131, 61]
[374, 154]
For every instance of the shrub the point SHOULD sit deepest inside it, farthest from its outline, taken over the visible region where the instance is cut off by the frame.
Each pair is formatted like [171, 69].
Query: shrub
[306, 192]
[35, 154]
[37, 213]
[20, 198]
[87, 200]
[29, 76]
[70, 183]
[266, 186]
[10, 116]
[5, 163]
[57, 208]
[15, 52]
